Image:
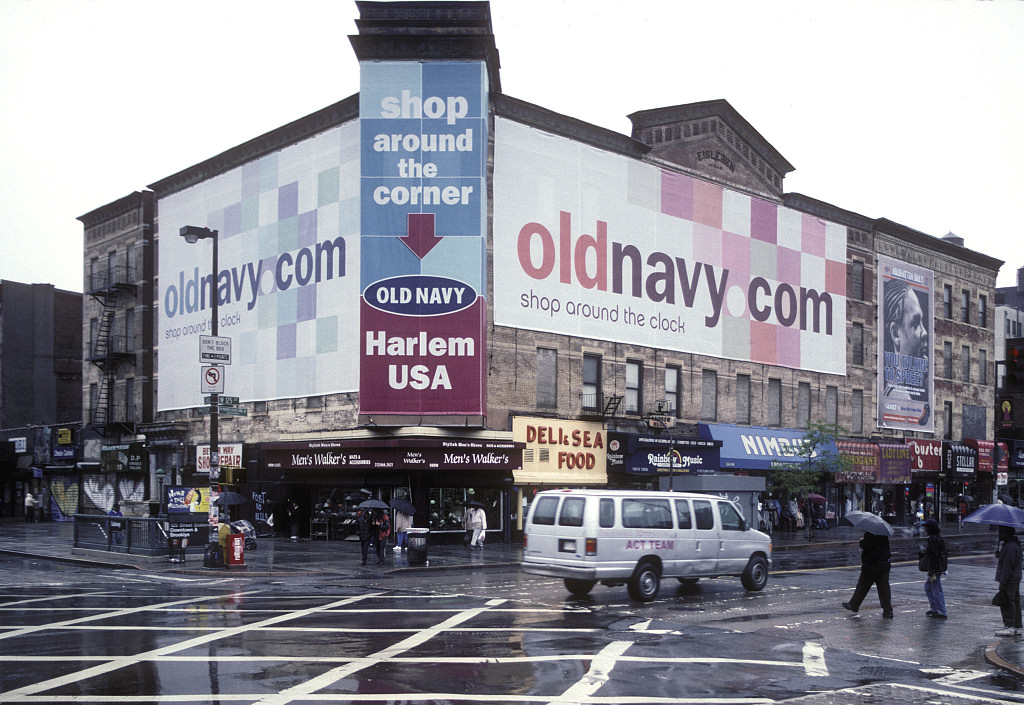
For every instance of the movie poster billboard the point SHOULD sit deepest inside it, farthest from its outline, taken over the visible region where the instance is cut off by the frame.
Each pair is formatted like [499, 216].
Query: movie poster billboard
[599, 245]
[423, 150]
[905, 325]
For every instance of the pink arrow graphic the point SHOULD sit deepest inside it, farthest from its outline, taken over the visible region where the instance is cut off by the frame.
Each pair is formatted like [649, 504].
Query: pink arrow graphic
[420, 238]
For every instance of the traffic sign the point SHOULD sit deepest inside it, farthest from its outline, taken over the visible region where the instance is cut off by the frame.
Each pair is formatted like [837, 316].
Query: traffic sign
[228, 401]
[212, 379]
[233, 411]
[215, 349]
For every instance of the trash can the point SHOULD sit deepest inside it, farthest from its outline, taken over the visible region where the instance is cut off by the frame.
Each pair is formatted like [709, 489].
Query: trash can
[417, 545]
[213, 557]
[236, 550]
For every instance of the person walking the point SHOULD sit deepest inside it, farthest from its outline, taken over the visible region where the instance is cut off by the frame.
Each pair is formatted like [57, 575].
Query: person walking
[403, 522]
[364, 530]
[293, 519]
[874, 570]
[30, 507]
[935, 561]
[1008, 572]
[383, 532]
[478, 523]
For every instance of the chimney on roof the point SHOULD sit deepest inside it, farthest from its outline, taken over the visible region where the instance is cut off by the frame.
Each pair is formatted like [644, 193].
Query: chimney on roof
[953, 239]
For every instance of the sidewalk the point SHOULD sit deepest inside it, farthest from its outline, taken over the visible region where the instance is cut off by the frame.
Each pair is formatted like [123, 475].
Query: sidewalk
[281, 556]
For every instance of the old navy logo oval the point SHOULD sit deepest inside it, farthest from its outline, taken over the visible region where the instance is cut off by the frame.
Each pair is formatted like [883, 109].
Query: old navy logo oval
[419, 295]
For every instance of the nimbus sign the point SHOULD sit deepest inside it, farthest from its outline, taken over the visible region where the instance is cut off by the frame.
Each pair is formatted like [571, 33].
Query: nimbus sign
[599, 245]
[423, 135]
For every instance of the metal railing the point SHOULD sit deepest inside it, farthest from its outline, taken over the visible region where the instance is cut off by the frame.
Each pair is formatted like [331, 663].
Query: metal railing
[147, 536]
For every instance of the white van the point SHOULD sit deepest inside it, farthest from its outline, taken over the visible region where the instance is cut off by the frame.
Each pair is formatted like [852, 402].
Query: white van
[637, 537]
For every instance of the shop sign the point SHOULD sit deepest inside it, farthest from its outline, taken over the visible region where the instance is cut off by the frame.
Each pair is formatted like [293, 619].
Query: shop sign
[760, 447]
[560, 450]
[860, 462]
[230, 456]
[1017, 455]
[925, 456]
[894, 463]
[645, 455]
[423, 455]
[124, 457]
[986, 451]
[959, 460]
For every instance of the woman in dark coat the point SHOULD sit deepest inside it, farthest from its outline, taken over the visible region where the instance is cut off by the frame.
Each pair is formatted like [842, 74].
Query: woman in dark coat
[1008, 573]
[874, 570]
[935, 558]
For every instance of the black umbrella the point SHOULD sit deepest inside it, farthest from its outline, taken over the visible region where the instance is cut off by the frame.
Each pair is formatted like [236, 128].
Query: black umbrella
[965, 498]
[475, 503]
[229, 499]
[403, 505]
[373, 504]
[865, 521]
[1007, 499]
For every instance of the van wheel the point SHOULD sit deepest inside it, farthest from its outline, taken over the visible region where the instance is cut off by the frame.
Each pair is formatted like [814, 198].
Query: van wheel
[755, 576]
[579, 587]
[643, 586]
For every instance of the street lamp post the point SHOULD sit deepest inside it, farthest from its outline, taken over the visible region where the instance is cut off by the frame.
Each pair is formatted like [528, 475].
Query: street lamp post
[671, 452]
[192, 235]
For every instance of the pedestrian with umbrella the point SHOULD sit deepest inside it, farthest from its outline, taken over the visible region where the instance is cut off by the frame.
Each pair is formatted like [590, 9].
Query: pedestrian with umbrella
[875, 558]
[1008, 566]
[370, 528]
[1008, 573]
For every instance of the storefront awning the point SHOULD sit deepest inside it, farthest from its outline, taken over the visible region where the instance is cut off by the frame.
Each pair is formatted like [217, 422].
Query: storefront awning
[987, 455]
[760, 447]
[860, 462]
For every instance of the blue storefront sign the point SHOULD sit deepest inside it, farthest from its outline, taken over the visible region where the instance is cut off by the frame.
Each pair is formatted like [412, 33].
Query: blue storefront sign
[649, 455]
[760, 447]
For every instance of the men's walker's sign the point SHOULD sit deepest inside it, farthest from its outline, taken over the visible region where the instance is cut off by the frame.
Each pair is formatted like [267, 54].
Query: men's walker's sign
[599, 245]
[423, 135]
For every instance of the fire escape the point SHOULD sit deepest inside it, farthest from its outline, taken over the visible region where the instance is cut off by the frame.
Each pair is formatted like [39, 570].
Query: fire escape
[111, 348]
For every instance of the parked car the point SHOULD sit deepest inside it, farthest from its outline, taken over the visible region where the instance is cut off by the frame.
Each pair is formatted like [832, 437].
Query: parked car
[636, 538]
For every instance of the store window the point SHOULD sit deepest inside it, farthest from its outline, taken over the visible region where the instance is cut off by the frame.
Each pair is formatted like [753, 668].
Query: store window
[857, 280]
[857, 343]
[965, 306]
[947, 360]
[947, 420]
[947, 301]
[982, 366]
[448, 507]
[983, 311]
[674, 388]
[547, 378]
[591, 394]
[804, 405]
[857, 409]
[832, 405]
[774, 402]
[634, 386]
[743, 399]
[709, 396]
[965, 364]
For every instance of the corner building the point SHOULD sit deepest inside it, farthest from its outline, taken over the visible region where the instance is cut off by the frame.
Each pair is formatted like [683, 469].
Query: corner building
[435, 291]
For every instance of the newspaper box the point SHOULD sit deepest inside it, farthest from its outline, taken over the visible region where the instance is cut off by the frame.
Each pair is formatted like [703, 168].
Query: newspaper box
[236, 550]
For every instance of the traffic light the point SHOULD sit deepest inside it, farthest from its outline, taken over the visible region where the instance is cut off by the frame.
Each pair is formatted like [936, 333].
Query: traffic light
[1013, 382]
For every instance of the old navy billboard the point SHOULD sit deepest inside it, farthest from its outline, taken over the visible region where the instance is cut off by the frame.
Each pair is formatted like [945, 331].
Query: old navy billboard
[423, 205]
[599, 245]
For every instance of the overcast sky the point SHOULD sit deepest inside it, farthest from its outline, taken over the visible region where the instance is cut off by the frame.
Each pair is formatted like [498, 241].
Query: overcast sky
[904, 109]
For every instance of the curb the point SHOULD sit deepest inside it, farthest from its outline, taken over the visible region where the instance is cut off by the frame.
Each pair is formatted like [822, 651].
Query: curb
[993, 657]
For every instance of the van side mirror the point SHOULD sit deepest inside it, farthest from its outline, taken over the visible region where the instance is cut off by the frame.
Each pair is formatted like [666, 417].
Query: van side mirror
[744, 526]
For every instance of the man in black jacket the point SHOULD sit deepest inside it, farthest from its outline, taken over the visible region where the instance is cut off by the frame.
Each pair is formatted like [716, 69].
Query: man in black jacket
[874, 570]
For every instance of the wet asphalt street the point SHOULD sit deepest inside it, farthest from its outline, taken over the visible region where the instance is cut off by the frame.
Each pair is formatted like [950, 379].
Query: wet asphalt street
[483, 632]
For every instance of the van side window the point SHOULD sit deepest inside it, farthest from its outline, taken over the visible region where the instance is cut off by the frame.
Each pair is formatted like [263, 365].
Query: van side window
[646, 514]
[607, 513]
[544, 511]
[731, 519]
[572, 511]
[683, 514]
[705, 517]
